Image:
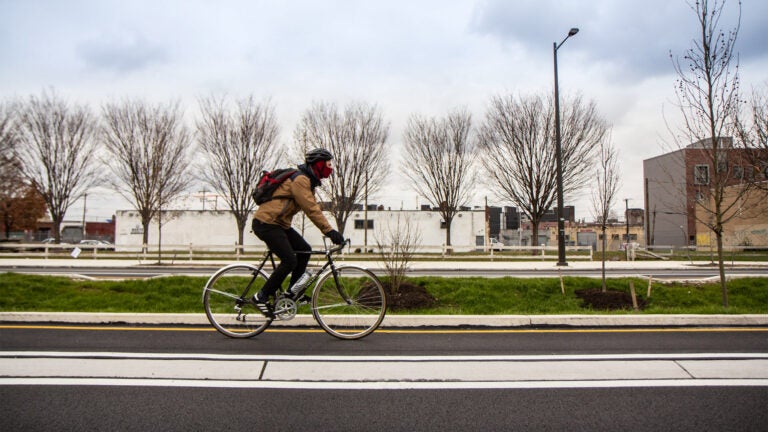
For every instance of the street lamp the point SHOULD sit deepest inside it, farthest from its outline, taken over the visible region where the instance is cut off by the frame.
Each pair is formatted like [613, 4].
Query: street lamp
[558, 156]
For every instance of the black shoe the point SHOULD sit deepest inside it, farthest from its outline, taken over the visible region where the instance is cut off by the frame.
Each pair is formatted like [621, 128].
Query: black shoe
[305, 299]
[263, 306]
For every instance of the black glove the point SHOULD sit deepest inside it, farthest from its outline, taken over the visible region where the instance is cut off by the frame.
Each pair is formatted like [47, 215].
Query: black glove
[335, 237]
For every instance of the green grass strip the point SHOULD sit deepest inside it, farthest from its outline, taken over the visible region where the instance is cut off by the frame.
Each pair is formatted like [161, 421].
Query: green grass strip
[471, 295]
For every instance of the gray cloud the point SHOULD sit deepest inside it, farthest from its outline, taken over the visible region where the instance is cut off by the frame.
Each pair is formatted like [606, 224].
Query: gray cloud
[122, 55]
[634, 39]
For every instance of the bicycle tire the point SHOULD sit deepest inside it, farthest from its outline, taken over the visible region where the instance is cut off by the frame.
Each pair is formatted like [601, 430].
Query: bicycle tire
[357, 316]
[228, 289]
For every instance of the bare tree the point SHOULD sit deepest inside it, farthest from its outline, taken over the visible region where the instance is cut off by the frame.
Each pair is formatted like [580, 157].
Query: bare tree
[753, 134]
[56, 150]
[604, 192]
[7, 137]
[237, 143]
[11, 176]
[707, 90]
[357, 138]
[440, 160]
[20, 204]
[148, 155]
[397, 244]
[517, 140]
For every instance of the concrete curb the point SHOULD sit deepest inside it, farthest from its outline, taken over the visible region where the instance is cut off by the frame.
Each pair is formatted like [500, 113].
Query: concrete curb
[409, 321]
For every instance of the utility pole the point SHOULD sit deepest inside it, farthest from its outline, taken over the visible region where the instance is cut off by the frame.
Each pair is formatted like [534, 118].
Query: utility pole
[85, 202]
[626, 216]
[365, 216]
[487, 225]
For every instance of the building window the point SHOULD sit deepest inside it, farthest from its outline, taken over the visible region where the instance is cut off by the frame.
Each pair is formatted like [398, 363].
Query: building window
[701, 174]
[359, 224]
[699, 197]
[722, 166]
[738, 172]
[442, 224]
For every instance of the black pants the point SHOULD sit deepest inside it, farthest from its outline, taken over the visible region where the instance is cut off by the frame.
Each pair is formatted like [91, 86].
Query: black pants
[284, 243]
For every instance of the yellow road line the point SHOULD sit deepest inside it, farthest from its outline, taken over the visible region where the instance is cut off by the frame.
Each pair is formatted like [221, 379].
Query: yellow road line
[403, 331]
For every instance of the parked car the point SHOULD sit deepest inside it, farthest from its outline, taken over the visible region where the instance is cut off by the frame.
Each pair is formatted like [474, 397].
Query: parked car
[52, 241]
[493, 245]
[97, 244]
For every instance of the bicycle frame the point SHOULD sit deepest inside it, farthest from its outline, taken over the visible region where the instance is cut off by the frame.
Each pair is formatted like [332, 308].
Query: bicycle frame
[349, 306]
[329, 264]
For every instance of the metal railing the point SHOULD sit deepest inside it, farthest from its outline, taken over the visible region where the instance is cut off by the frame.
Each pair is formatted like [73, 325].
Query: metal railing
[192, 252]
[232, 252]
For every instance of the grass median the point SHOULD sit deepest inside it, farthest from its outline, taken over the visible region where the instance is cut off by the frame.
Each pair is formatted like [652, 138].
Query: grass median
[454, 296]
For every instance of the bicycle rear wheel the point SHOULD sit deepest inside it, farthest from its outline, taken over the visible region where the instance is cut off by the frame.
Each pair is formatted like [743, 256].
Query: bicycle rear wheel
[350, 306]
[227, 301]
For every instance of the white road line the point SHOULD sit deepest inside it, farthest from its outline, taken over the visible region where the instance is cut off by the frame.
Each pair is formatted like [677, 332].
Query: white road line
[382, 385]
[195, 368]
[353, 358]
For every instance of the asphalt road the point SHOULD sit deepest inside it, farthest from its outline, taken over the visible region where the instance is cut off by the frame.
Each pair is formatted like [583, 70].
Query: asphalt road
[159, 403]
[415, 342]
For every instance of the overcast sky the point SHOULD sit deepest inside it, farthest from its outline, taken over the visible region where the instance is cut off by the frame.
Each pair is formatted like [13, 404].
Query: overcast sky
[407, 56]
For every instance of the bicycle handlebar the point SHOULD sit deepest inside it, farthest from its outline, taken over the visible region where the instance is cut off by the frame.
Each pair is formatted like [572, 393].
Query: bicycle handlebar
[337, 248]
[331, 250]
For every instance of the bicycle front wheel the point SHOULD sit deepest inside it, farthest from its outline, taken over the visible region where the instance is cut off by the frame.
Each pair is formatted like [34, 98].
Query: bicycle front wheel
[350, 305]
[227, 301]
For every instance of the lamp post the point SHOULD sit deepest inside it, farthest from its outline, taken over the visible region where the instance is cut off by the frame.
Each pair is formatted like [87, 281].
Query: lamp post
[558, 156]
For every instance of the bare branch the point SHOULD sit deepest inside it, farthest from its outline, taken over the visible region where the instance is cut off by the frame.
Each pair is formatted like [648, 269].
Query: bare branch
[440, 160]
[517, 141]
[237, 143]
[357, 138]
[397, 244]
[56, 151]
[707, 89]
[604, 191]
[148, 154]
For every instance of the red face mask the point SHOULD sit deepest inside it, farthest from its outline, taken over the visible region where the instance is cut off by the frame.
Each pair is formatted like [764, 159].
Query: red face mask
[323, 169]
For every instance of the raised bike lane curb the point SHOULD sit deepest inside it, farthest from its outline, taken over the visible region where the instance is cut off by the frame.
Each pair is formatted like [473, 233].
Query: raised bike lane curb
[407, 321]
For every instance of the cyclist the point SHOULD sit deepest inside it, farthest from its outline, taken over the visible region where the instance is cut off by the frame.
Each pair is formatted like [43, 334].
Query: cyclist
[272, 222]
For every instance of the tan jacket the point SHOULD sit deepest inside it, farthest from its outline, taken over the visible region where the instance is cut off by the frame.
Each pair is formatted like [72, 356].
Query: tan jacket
[291, 197]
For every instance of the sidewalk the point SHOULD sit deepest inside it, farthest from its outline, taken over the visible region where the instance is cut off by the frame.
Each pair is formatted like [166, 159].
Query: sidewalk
[437, 264]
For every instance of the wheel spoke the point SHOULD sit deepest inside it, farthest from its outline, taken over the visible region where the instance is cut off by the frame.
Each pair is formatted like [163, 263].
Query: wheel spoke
[226, 305]
[350, 306]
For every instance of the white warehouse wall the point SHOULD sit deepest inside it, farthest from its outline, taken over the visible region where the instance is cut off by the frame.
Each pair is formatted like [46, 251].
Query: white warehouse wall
[218, 230]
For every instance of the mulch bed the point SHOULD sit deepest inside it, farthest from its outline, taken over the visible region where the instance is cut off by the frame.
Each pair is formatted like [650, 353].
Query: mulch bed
[409, 296]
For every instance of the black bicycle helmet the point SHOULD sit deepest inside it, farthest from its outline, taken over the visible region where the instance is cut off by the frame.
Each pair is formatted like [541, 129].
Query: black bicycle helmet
[317, 154]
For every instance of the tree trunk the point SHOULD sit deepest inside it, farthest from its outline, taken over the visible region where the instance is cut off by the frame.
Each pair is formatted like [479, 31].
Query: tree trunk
[57, 229]
[341, 222]
[534, 234]
[721, 267]
[241, 221]
[448, 222]
[603, 264]
[145, 236]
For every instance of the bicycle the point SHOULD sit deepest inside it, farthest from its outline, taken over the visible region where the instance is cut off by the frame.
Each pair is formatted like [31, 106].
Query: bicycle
[347, 301]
